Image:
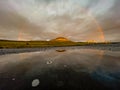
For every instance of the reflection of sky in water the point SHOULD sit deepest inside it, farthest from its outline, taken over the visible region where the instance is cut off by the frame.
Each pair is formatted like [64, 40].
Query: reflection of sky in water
[103, 66]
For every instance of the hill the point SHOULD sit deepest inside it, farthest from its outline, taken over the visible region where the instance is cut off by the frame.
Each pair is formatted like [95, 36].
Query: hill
[60, 39]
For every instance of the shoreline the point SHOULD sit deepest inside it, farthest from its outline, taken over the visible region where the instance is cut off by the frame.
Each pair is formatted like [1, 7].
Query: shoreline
[26, 50]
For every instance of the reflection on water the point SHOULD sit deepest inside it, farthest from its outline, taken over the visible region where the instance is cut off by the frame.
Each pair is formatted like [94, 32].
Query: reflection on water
[74, 69]
[60, 50]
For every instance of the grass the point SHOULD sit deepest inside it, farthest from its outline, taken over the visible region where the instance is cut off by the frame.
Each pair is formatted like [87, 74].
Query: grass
[37, 44]
[32, 44]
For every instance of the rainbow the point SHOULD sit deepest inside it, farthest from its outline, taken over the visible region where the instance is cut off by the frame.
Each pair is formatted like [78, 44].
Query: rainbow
[99, 28]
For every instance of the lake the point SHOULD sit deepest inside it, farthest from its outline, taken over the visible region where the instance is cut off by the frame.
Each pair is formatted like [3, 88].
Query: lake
[69, 69]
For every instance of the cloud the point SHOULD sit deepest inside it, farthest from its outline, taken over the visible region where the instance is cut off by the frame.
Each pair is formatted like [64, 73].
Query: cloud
[110, 22]
[48, 19]
[11, 24]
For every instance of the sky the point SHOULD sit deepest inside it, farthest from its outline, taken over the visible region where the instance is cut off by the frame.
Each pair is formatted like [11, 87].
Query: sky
[77, 20]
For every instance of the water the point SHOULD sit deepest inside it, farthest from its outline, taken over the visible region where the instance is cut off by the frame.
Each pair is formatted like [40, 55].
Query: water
[73, 69]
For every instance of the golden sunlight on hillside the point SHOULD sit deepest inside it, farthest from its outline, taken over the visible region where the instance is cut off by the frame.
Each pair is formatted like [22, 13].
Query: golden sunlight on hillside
[60, 39]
